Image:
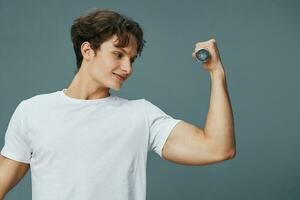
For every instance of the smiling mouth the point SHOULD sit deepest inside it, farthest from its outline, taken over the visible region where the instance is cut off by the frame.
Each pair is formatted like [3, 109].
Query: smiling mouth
[119, 77]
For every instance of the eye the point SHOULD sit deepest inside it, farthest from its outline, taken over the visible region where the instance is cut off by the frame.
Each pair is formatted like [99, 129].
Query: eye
[119, 55]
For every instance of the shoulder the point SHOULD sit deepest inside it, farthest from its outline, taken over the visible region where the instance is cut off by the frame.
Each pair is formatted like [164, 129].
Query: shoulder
[38, 100]
[141, 104]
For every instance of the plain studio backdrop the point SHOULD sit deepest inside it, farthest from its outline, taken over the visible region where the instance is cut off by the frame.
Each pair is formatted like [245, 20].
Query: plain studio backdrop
[259, 46]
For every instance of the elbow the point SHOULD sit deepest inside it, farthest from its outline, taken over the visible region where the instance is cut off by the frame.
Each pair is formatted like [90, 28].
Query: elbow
[231, 154]
[227, 155]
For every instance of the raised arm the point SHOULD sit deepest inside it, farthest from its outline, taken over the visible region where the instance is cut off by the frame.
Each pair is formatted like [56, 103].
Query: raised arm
[191, 145]
[11, 172]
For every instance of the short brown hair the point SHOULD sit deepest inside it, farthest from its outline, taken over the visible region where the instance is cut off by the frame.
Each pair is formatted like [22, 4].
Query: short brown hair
[100, 25]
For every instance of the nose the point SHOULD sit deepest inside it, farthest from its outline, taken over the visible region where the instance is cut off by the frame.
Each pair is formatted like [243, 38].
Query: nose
[126, 66]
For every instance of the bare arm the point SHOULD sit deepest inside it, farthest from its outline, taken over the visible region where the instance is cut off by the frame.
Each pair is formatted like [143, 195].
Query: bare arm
[11, 172]
[191, 145]
[219, 126]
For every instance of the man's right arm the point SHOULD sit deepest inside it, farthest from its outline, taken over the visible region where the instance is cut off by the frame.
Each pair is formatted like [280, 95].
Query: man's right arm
[11, 172]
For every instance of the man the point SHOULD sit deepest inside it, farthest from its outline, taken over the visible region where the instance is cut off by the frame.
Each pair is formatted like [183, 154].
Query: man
[83, 143]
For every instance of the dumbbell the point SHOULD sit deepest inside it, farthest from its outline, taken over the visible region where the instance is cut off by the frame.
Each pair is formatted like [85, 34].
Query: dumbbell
[202, 55]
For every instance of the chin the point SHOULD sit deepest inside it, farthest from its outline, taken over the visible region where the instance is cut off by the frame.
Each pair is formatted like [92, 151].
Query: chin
[115, 86]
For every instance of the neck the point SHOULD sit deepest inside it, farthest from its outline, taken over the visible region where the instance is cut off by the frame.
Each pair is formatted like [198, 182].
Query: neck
[84, 87]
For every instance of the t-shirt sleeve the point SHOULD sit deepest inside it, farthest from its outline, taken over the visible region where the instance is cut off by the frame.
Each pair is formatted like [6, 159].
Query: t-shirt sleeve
[159, 125]
[16, 142]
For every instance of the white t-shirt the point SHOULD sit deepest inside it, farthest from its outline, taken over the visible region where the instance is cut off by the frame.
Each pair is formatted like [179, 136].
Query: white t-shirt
[86, 149]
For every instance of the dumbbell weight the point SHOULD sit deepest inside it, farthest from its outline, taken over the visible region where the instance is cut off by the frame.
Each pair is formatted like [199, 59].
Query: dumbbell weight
[202, 55]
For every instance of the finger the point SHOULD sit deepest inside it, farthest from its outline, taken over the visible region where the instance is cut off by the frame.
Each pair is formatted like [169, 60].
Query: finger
[213, 40]
[194, 55]
[206, 43]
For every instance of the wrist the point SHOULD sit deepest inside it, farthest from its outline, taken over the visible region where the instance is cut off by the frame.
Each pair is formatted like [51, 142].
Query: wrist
[217, 71]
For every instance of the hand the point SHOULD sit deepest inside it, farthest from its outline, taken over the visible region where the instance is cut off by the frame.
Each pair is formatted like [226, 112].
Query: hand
[215, 61]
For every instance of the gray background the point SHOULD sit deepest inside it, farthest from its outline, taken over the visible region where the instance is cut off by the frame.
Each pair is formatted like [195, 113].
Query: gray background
[259, 46]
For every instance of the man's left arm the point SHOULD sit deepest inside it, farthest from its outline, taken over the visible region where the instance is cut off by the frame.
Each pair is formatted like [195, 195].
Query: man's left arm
[191, 145]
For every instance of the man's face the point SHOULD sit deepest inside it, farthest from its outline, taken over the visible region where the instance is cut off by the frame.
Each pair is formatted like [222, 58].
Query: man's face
[112, 65]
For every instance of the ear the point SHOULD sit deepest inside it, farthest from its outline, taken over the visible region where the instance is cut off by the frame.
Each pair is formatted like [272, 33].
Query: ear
[87, 51]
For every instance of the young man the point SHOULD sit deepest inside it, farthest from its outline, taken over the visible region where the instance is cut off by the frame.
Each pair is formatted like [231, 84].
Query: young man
[83, 143]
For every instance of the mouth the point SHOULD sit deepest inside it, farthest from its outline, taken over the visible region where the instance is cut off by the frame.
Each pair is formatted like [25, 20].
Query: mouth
[121, 78]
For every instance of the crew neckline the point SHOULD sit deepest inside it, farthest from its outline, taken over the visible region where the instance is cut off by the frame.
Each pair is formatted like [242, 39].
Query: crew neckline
[83, 101]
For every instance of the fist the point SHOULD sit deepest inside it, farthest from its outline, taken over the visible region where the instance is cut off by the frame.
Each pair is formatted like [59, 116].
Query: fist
[215, 60]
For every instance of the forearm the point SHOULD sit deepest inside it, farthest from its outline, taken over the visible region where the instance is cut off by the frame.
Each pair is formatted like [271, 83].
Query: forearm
[219, 125]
